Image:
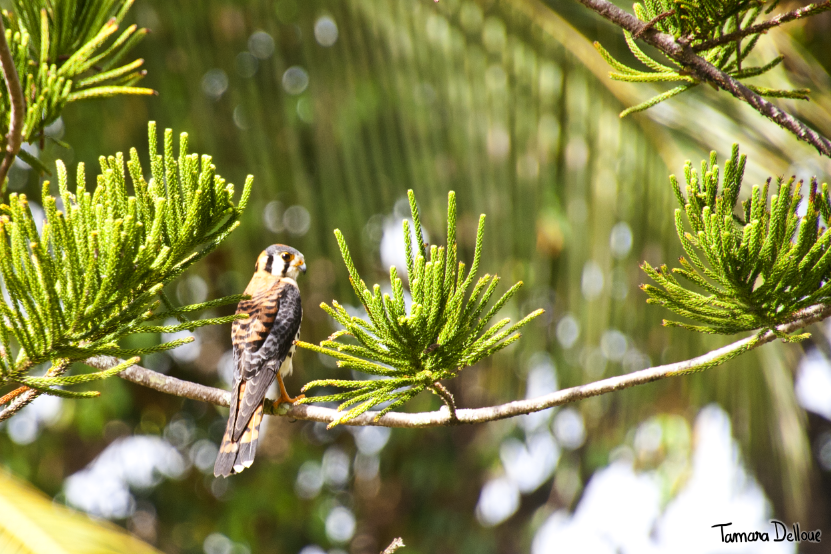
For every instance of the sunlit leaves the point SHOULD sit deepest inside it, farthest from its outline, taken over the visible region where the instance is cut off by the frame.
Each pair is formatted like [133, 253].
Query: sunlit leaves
[413, 348]
[757, 269]
[92, 274]
[695, 23]
[67, 51]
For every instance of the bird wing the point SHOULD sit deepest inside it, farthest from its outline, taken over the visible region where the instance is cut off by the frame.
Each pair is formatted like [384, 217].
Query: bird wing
[261, 343]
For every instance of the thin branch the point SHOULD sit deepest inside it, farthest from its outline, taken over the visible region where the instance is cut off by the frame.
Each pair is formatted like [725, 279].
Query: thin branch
[23, 396]
[172, 385]
[163, 383]
[18, 404]
[651, 23]
[397, 542]
[447, 398]
[811, 9]
[13, 138]
[704, 71]
[8, 397]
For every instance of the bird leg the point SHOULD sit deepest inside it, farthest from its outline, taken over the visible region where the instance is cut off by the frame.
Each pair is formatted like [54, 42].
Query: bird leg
[284, 396]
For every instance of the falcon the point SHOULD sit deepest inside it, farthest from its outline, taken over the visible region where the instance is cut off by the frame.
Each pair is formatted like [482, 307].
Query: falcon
[263, 346]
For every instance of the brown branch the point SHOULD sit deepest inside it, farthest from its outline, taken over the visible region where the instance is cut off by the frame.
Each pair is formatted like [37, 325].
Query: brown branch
[447, 398]
[18, 403]
[702, 70]
[22, 396]
[651, 23]
[13, 138]
[178, 387]
[163, 383]
[811, 9]
[8, 397]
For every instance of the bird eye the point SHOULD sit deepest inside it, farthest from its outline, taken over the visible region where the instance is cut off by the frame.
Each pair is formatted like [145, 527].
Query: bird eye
[286, 256]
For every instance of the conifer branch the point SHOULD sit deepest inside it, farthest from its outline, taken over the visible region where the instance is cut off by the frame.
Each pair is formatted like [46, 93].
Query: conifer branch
[412, 350]
[758, 270]
[91, 275]
[811, 9]
[14, 136]
[704, 71]
[163, 383]
[23, 396]
[177, 387]
[8, 397]
[63, 52]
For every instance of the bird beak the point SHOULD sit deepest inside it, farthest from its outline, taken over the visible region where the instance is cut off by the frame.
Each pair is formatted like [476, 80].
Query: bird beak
[303, 267]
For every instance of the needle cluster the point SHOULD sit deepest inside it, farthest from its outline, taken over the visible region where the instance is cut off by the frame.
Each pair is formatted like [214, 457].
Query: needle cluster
[94, 272]
[723, 32]
[758, 264]
[67, 51]
[411, 346]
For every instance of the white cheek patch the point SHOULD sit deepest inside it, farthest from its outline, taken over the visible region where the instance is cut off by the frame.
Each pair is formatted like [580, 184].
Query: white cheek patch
[280, 267]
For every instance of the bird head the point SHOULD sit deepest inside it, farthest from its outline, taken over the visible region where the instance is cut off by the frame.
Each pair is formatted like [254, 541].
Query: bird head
[281, 261]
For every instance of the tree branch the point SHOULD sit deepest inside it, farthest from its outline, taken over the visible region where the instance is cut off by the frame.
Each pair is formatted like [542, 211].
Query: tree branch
[651, 23]
[163, 383]
[447, 398]
[13, 138]
[811, 9]
[178, 387]
[704, 71]
[19, 402]
[24, 395]
[8, 397]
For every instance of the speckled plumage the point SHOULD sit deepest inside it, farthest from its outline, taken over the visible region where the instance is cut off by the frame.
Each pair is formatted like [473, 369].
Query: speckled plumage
[263, 345]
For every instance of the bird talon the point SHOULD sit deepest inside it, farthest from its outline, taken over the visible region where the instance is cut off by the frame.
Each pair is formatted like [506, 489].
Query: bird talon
[286, 399]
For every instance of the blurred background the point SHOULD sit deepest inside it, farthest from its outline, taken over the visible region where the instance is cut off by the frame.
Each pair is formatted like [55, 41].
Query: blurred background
[337, 108]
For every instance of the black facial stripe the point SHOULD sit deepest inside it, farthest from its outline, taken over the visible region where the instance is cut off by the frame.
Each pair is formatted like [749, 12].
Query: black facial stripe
[268, 264]
[286, 267]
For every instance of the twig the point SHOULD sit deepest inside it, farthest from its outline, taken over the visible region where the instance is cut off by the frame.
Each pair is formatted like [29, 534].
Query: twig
[172, 385]
[811, 9]
[22, 396]
[447, 398]
[704, 71]
[13, 138]
[18, 404]
[738, 45]
[8, 397]
[397, 542]
[651, 23]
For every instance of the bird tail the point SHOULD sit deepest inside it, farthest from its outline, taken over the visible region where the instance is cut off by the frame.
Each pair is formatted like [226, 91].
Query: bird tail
[234, 456]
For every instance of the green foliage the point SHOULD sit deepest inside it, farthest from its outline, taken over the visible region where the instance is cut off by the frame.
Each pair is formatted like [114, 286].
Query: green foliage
[443, 332]
[695, 23]
[63, 53]
[761, 268]
[701, 20]
[91, 275]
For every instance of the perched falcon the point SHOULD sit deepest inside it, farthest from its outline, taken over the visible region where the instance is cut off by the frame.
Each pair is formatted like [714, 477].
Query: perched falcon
[263, 348]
